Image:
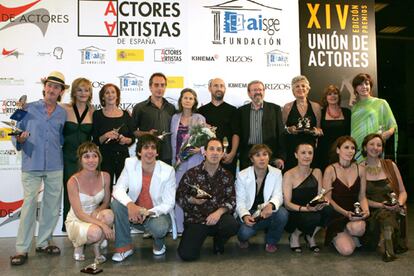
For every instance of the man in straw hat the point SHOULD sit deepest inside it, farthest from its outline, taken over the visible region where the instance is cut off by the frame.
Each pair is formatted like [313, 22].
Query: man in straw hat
[42, 161]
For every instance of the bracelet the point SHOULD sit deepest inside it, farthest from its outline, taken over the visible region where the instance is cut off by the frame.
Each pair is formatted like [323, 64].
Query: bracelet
[300, 207]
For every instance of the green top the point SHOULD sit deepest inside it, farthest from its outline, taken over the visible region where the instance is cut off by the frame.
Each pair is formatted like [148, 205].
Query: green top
[371, 115]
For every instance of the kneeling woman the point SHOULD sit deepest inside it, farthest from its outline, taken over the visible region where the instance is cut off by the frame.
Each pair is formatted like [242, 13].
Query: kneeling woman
[89, 220]
[300, 185]
[386, 227]
[259, 199]
[347, 181]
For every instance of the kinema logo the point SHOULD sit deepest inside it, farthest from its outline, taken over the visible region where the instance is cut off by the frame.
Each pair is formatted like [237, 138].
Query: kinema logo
[245, 22]
[204, 58]
[39, 17]
[92, 55]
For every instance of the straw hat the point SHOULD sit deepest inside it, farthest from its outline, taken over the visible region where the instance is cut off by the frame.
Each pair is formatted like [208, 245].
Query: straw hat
[56, 77]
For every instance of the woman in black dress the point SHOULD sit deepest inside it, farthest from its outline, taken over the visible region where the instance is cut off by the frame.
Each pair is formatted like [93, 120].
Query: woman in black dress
[335, 122]
[347, 181]
[300, 185]
[112, 131]
[302, 119]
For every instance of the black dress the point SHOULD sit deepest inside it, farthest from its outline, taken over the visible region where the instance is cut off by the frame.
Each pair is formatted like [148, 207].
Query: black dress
[113, 153]
[306, 222]
[345, 197]
[292, 140]
[332, 129]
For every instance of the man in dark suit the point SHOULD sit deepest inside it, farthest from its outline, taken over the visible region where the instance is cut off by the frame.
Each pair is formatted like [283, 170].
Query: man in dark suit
[260, 122]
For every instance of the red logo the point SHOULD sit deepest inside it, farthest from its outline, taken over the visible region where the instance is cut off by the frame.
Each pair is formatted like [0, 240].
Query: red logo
[7, 53]
[12, 12]
[11, 206]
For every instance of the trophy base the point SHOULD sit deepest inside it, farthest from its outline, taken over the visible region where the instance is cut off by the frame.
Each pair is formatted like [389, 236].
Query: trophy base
[303, 130]
[203, 197]
[258, 218]
[389, 204]
[316, 202]
[357, 215]
[15, 133]
[90, 269]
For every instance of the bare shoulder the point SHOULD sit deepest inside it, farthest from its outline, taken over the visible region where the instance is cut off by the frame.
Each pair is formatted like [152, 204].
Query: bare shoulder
[317, 172]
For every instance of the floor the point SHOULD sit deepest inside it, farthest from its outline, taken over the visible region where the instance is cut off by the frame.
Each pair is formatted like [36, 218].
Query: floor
[235, 261]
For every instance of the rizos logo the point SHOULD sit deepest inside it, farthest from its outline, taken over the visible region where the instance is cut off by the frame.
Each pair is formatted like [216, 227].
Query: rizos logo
[238, 59]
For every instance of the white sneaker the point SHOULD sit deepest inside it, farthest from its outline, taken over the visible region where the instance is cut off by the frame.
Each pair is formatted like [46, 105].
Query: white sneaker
[134, 230]
[119, 257]
[159, 252]
[104, 244]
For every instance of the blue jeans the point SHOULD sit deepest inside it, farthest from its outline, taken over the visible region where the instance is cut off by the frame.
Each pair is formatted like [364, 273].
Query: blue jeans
[274, 225]
[157, 226]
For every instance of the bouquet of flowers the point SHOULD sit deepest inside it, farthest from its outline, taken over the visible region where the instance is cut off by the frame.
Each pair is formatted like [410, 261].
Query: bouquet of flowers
[197, 136]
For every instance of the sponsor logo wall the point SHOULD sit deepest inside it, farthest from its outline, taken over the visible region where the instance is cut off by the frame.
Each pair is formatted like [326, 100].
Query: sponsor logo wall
[124, 42]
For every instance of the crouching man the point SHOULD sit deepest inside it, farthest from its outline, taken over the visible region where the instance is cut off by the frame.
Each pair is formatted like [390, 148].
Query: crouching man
[144, 198]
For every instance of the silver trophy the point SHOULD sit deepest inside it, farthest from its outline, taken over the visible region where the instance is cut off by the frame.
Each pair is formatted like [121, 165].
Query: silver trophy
[163, 135]
[17, 116]
[256, 215]
[393, 200]
[201, 194]
[303, 125]
[117, 131]
[320, 197]
[225, 144]
[92, 269]
[357, 210]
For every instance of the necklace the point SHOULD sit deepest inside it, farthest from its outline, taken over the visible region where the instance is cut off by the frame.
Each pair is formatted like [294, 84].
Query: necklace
[345, 166]
[374, 170]
[332, 115]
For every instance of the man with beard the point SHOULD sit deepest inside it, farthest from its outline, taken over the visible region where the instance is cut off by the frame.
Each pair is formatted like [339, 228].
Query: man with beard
[223, 116]
[260, 122]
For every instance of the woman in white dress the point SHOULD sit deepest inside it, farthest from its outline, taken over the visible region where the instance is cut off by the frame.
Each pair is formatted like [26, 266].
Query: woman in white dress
[89, 220]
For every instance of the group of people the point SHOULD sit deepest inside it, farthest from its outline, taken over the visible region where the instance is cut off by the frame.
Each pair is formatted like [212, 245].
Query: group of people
[281, 153]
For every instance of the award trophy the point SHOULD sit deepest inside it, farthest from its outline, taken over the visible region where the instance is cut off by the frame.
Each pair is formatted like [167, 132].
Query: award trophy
[392, 201]
[163, 135]
[17, 116]
[303, 125]
[256, 215]
[201, 194]
[225, 144]
[357, 210]
[92, 269]
[117, 131]
[319, 198]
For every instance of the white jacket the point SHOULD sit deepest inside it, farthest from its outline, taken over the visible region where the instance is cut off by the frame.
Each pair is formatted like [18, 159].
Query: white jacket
[162, 188]
[246, 189]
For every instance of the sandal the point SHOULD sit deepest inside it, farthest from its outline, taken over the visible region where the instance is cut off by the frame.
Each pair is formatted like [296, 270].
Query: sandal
[78, 253]
[50, 249]
[312, 244]
[18, 259]
[296, 249]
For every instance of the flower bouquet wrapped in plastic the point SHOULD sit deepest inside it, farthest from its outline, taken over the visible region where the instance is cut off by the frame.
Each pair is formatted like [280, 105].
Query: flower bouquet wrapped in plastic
[197, 137]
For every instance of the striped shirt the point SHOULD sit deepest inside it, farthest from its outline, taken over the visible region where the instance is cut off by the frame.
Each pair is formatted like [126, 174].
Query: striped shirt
[256, 131]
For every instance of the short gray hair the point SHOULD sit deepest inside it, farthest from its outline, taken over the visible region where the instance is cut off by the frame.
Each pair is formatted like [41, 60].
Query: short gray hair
[300, 78]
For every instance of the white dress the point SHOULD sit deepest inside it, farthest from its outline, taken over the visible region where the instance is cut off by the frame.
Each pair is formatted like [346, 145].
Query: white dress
[77, 229]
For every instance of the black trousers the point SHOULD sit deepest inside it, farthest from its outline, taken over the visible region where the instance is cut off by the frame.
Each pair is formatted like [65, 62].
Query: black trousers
[195, 234]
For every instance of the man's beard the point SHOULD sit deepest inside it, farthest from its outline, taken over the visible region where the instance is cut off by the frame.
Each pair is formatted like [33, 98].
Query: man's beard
[219, 96]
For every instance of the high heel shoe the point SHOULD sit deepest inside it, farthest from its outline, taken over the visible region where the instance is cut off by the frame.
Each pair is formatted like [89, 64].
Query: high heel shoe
[309, 241]
[78, 254]
[296, 249]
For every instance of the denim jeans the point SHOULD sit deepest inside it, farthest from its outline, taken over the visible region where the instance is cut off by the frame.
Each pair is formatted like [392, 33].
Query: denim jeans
[274, 225]
[157, 226]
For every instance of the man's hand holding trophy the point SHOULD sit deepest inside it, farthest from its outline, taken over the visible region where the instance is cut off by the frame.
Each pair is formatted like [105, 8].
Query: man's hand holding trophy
[17, 116]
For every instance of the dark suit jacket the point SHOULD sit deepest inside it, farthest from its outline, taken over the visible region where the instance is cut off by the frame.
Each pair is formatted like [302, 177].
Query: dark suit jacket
[272, 130]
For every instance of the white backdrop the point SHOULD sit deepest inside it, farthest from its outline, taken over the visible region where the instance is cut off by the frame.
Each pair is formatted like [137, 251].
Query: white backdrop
[124, 42]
